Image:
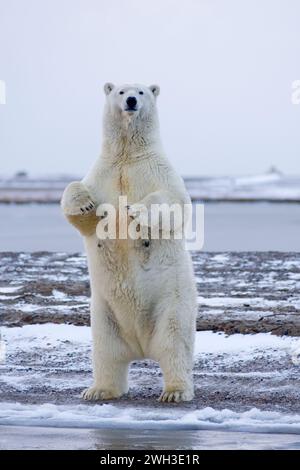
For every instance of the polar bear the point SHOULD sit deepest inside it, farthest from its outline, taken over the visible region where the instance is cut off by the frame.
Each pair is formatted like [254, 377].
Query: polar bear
[143, 295]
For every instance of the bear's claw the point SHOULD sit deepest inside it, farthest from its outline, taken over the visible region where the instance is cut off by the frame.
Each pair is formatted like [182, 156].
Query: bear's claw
[174, 396]
[89, 206]
[95, 393]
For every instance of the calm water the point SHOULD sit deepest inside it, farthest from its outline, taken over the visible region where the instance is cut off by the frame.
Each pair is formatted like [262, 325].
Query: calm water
[13, 437]
[228, 226]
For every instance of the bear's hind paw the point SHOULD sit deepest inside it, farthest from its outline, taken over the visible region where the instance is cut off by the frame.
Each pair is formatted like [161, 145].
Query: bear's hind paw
[95, 393]
[175, 396]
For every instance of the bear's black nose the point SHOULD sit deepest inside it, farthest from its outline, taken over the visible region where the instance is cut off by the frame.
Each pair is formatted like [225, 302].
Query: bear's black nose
[131, 102]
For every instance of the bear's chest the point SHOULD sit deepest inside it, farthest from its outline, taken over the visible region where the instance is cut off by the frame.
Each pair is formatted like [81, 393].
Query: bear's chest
[133, 181]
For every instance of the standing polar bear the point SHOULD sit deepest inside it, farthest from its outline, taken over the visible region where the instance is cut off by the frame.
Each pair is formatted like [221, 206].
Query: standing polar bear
[143, 301]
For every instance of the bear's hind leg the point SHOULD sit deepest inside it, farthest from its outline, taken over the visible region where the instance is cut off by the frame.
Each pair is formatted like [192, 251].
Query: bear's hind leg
[111, 357]
[178, 381]
[173, 344]
[110, 381]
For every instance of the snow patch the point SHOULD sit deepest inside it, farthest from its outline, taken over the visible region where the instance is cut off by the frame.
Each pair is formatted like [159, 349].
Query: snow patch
[240, 346]
[9, 289]
[220, 258]
[11, 297]
[59, 295]
[51, 335]
[247, 301]
[47, 335]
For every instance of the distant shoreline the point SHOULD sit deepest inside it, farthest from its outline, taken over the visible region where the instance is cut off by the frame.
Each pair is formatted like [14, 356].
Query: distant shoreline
[41, 200]
[271, 187]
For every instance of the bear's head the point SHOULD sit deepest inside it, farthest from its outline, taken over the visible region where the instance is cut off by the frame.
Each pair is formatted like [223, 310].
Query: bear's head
[131, 100]
[130, 118]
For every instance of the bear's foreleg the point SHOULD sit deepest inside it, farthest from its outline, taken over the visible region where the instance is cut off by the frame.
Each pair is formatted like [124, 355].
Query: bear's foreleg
[141, 210]
[79, 208]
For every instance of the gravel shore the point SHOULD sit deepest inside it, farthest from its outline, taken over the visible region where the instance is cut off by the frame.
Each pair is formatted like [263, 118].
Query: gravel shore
[247, 292]
[238, 293]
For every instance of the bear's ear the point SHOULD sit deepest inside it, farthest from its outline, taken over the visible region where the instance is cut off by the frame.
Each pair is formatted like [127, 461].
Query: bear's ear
[108, 87]
[155, 89]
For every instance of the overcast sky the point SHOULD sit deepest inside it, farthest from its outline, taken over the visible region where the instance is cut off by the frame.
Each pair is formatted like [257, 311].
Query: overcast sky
[225, 68]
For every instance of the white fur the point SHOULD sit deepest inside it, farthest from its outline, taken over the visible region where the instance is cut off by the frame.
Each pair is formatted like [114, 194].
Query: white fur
[143, 298]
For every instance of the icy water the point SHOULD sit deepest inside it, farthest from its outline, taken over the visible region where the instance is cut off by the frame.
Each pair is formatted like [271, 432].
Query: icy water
[228, 227]
[15, 437]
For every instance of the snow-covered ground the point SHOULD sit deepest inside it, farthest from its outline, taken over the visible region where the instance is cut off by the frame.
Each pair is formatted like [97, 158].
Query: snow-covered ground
[61, 337]
[245, 385]
[54, 360]
[50, 364]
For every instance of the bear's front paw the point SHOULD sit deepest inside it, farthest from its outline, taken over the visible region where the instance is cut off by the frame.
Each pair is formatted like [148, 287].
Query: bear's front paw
[175, 396]
[76, 200]
[81, 205]
[96, 393]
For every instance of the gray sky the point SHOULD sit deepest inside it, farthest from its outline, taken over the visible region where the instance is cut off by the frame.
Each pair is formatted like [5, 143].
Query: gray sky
[225, 68]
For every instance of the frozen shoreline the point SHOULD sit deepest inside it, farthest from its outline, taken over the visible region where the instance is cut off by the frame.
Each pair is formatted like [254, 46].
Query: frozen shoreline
[244, 384]
[246, 395]
[51, 363]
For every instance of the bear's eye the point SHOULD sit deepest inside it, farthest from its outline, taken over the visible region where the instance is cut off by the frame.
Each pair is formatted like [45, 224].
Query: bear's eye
[121, 93]
[141, 92]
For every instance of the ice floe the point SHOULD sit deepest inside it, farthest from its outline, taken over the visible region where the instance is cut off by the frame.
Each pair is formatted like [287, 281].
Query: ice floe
[112, 416]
